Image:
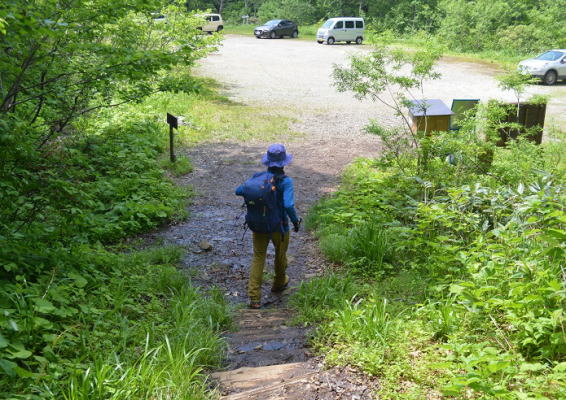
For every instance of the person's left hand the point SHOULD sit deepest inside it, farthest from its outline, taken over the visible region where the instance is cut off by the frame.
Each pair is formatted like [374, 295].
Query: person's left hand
[297, 225]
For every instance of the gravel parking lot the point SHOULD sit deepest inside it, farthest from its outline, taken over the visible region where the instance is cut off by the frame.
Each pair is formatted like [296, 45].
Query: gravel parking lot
[296, 73]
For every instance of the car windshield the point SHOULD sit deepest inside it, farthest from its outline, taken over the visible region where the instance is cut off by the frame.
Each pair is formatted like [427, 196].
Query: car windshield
[273, 22]
[550, 56]
[328, 24]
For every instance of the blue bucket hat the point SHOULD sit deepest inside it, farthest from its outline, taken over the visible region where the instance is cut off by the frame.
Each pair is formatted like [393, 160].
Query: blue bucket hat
[276, 156]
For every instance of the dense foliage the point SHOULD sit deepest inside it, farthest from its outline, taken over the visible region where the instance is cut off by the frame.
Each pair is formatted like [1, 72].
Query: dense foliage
[508, 26]
[80, 319]
[468, 269]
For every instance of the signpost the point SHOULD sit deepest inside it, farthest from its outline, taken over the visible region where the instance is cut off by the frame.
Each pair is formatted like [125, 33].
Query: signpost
[173, 124]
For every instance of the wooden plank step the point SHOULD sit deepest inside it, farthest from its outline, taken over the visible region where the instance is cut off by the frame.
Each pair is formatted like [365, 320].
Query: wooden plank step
[244, 383]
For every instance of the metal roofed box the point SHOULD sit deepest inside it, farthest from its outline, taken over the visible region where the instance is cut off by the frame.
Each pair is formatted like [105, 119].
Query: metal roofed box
[430, 115]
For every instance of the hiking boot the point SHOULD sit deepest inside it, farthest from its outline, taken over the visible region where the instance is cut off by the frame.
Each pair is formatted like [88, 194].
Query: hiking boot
[280, 288]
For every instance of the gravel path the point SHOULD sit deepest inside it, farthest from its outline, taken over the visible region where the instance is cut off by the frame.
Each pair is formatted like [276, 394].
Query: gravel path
[292, 77]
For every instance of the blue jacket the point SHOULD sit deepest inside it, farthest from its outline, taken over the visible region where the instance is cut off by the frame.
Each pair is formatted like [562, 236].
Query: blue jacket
[289, 212]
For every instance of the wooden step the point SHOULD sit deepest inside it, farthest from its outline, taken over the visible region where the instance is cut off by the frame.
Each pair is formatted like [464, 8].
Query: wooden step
[262, 382]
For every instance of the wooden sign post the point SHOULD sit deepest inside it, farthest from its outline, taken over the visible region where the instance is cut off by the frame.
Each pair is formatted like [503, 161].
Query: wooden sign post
[173, 124]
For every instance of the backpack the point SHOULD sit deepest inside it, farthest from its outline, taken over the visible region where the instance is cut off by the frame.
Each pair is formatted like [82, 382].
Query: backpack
[264, 202]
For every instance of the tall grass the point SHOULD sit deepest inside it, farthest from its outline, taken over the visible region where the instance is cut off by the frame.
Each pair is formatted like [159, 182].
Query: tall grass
[172, 360]
[318, 298]
[365, 247]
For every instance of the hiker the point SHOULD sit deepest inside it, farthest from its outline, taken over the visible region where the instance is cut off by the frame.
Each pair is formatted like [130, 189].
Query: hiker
[269, 197]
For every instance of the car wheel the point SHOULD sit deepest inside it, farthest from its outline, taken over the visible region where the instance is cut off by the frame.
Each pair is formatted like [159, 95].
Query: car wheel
[219, 28]
[319, 41]
[295, 34]
[550, 78]
[330, 40]
[272, 35]
[359, 40]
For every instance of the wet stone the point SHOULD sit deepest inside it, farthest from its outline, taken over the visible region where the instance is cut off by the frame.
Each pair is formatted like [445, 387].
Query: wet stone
[205, 245]
[272, 346]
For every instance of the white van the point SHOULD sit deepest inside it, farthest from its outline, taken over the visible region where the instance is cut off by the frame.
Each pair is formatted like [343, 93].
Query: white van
[341, 29]
[214, 23]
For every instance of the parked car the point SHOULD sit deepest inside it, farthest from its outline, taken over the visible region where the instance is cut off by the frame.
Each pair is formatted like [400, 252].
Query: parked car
[214, 23]
[549, 66]
[158, 18]
[277, 28]
[341, 29]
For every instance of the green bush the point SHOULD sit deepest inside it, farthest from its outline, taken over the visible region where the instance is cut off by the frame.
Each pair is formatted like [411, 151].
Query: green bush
[83, 321]
[475, 306]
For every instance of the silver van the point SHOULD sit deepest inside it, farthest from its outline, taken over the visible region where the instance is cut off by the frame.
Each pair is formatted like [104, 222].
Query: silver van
[341, 29]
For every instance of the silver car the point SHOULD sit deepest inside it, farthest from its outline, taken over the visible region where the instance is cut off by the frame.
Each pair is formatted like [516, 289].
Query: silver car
[549, 66]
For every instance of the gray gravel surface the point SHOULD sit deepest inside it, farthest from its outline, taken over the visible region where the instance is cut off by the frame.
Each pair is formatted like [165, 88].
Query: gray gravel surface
[297, 73]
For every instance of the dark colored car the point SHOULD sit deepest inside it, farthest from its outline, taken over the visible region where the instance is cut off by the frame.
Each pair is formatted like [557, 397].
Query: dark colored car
[277, 28]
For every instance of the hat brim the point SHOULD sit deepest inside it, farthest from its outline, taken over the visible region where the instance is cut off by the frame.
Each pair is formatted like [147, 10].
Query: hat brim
[280, 164]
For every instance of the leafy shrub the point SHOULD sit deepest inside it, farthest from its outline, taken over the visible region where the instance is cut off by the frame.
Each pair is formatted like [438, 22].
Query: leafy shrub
[482, 315]
[79, 321]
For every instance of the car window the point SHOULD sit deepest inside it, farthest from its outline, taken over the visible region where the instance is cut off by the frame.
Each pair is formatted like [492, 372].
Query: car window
[209, 18]
[216, 18]
[359, 24]
[339, 25]
[327, 24]
[349, 24]
[550, 56]
[273, 22]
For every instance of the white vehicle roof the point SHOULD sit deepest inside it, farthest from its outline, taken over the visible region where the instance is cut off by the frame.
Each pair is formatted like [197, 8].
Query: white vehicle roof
[354, 18]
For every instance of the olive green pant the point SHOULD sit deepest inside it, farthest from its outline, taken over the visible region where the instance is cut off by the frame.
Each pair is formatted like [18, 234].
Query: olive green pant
[261, 241]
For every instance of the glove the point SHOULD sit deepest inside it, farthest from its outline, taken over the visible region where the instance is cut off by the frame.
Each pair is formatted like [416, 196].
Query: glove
[297, 225]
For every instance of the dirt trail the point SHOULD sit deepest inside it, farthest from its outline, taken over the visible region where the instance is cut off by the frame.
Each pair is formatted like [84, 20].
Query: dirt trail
[264, 338]
[267, 357]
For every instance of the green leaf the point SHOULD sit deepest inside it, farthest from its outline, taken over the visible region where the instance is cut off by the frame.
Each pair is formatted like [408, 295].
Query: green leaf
[8, 367]
[3, 342]
[43, 306]
[456, 289]
[23, 373]
[532, 367]
[21, 354]
[80, 281]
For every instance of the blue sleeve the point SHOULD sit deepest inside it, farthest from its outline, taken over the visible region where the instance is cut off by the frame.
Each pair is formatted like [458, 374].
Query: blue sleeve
[240, 190]
[289, 199]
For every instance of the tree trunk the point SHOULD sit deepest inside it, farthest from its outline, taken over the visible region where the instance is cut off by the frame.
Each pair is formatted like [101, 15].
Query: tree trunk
[220, 6]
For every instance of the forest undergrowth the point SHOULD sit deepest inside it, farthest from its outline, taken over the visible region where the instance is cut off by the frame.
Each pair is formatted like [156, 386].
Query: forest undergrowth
[87, 314]
[450, 279]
